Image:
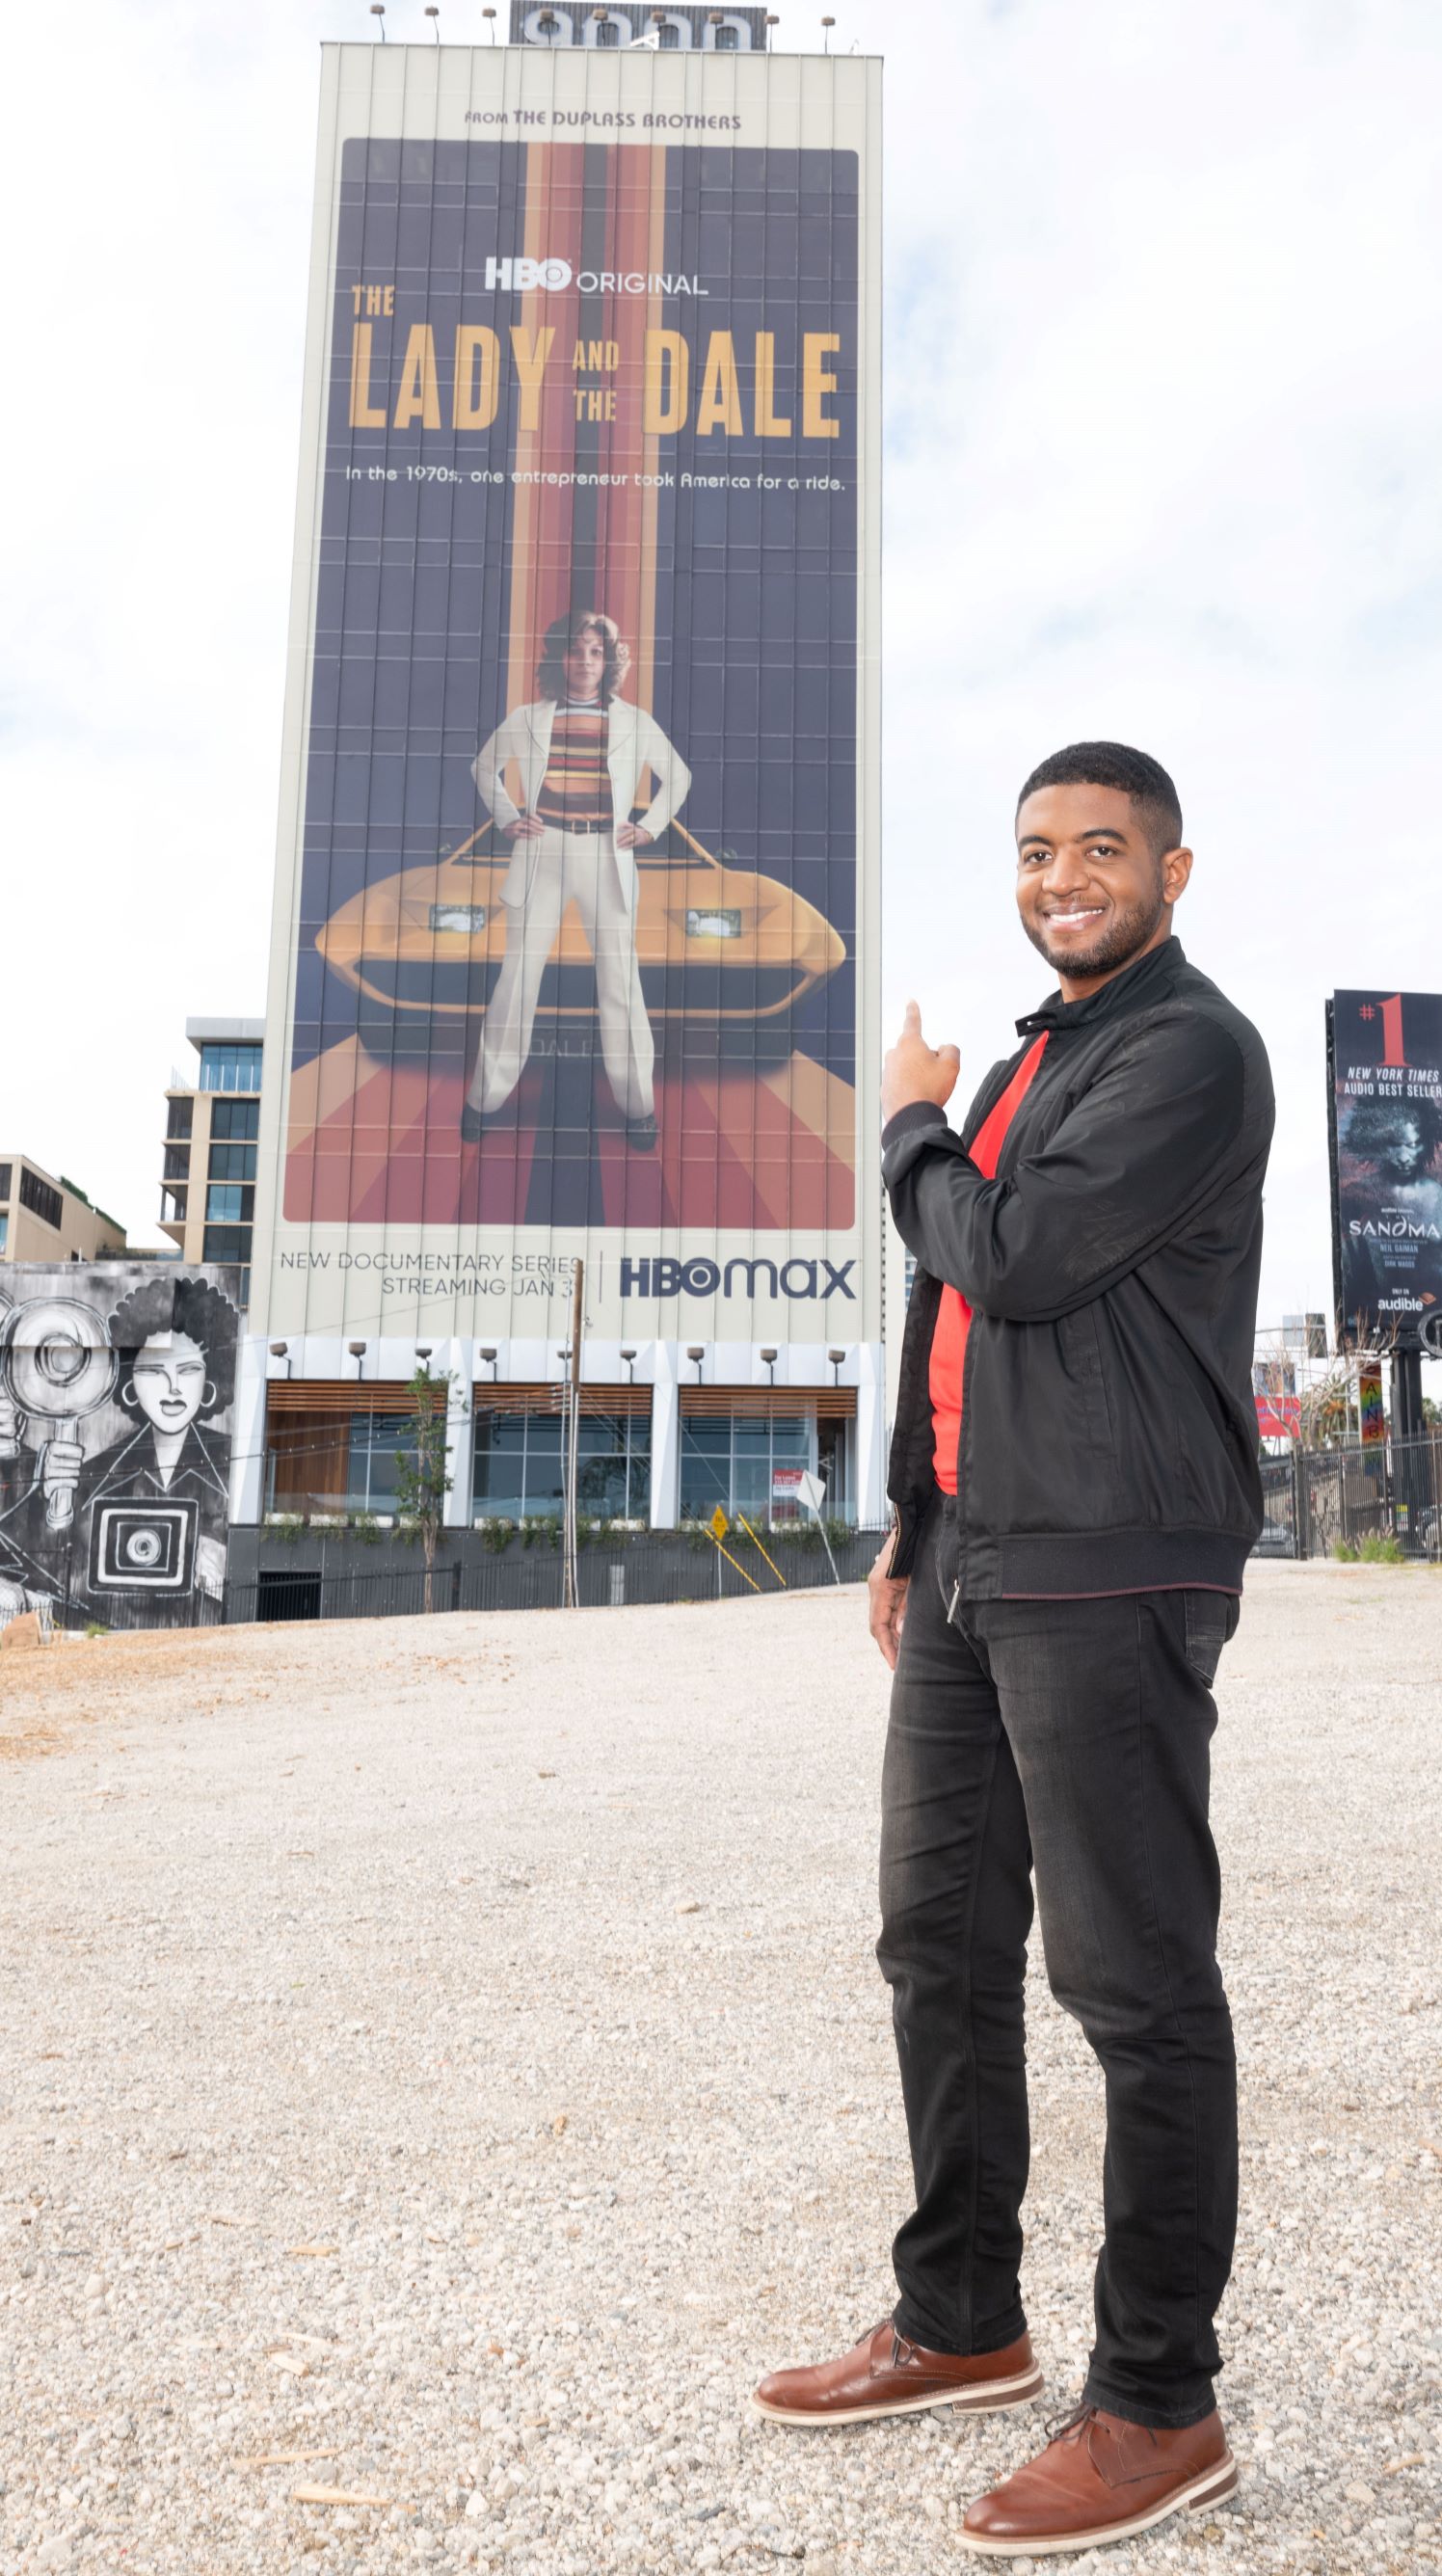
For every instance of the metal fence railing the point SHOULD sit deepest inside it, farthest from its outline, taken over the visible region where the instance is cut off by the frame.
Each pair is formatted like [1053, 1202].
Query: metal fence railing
[1383, 1498]
[651, 1567]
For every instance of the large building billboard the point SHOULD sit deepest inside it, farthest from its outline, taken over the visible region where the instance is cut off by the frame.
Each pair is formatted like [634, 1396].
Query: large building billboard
[576, 930]
[1385, 1102]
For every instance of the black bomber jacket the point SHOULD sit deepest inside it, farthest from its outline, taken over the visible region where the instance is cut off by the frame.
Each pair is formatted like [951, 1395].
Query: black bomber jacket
[1109, 1431]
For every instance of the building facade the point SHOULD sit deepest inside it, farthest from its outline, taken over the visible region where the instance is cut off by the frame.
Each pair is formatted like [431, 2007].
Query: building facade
[212, 1128]
[576, 934]
[47, 1219]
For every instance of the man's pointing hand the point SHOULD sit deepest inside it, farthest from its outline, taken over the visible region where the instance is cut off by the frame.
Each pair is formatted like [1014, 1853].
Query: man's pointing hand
[914, 1071]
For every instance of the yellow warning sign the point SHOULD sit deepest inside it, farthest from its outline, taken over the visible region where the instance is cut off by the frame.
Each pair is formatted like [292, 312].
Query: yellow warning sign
[719, 1524]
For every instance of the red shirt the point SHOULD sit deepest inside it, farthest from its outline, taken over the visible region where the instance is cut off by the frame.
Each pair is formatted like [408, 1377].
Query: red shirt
[953, 1316]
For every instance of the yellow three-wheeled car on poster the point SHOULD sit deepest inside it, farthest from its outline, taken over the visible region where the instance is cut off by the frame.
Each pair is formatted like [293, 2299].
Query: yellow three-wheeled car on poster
[720, 948]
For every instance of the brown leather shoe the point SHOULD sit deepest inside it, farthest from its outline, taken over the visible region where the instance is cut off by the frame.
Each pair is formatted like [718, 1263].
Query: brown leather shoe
[887, 2375]
[1099, 2479]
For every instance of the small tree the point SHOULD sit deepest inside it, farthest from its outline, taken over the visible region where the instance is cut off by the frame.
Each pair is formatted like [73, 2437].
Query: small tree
[422, 1481]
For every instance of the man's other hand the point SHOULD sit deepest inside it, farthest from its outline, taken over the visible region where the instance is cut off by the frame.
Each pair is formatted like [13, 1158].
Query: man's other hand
[914, 1071]
[887, 1599]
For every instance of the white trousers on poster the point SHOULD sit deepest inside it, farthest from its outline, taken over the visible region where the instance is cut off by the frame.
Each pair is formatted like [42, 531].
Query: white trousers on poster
[579, 868]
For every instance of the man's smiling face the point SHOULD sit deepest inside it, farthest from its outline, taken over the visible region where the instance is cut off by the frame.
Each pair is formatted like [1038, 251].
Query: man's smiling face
[1092, 890]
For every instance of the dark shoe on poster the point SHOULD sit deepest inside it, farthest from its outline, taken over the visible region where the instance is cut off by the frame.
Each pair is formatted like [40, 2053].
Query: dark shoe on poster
[641, 1134]
[886, 2374]
[1101, 2479]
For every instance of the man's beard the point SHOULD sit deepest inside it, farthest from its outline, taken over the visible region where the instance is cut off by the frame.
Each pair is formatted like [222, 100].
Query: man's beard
[1122, 938]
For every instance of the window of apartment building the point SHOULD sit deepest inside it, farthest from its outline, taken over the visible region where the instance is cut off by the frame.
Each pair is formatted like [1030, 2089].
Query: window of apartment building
[230, 1068]
[235, 1119]
[177, 1163]
[520, 1470]
[173, 1204]
[232, 1163]
[40, 1198]
[228, 1203]
[179, 1116]
[4, 1180]
[226, 1243]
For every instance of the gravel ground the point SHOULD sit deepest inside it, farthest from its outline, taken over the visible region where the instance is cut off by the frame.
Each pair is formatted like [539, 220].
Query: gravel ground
[444, 2064]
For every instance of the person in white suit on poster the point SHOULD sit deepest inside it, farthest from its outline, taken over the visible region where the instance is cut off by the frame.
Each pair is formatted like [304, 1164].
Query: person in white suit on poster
[582, 753]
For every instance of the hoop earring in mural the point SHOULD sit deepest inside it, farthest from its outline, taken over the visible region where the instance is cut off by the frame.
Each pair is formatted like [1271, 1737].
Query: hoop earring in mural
[127, 1395]
[207, 1401]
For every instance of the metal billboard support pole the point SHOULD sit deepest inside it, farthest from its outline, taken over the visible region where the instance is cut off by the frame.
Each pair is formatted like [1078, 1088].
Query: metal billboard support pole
[571, 1589]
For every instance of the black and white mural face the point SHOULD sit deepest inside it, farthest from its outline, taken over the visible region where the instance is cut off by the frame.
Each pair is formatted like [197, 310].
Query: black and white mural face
[117, 1382]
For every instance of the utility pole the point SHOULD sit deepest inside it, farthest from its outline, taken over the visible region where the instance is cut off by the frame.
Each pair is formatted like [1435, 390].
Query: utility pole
[571, 1589]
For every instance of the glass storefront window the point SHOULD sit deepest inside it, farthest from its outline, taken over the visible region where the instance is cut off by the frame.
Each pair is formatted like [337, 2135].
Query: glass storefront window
[729, 1458]
[379, 1443]
[520, 1468]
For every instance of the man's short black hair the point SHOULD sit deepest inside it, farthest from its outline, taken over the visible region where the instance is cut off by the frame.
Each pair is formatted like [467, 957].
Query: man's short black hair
[1115, 764]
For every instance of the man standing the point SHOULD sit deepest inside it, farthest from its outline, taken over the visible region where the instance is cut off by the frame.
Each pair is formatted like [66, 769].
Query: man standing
[1075, 1479]
[581, 753]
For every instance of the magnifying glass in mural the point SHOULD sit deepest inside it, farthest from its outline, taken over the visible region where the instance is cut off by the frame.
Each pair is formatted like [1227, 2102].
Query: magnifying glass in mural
[56, 1365]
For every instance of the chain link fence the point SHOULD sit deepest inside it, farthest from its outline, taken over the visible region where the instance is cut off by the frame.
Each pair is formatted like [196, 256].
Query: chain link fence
[1382, 1500]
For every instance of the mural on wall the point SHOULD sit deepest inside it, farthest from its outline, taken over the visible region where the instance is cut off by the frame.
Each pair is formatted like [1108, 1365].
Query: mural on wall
[117, 1381]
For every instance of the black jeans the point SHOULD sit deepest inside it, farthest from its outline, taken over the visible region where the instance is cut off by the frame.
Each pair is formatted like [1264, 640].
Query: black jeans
[1072, 1736]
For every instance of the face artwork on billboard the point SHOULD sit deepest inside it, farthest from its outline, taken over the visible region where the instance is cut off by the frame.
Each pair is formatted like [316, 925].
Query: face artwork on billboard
[116, 1390]
[577, 923]
[1387, 1148]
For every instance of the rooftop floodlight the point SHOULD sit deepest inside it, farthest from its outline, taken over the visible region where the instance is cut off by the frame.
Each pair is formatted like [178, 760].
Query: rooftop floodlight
[378, 10]
[433, 13]
[490, 15]
[279, 1350]
[828, 24]
[357, 1350]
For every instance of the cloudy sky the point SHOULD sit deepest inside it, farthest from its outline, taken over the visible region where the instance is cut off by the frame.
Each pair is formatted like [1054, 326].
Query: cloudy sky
[1164, 441]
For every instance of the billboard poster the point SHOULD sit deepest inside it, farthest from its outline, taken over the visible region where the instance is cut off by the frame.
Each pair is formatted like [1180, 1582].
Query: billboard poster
[575, 927]
[1279, 1406]
[1385, 1107]
[1371, 1411]
[117, 1382]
